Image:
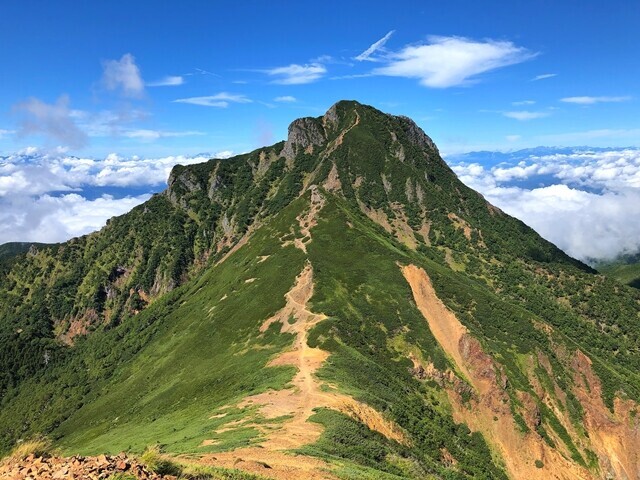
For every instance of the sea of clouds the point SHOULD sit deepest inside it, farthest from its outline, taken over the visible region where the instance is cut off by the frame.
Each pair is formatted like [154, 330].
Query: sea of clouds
[52, 197]
[586, 201]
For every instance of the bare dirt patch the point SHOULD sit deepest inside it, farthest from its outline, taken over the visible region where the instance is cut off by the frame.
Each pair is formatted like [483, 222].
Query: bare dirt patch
[488, 412]
[307, 220]
[272, 464]
[461, 224]
[332, 183]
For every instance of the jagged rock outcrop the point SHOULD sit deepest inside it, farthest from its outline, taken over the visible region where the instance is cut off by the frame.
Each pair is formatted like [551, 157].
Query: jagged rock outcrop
[415, 134]
[303, 133]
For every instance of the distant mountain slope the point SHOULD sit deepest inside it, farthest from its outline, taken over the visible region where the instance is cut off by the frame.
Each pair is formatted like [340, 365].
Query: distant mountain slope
[625, 269]
[11, 249]
[341, 295]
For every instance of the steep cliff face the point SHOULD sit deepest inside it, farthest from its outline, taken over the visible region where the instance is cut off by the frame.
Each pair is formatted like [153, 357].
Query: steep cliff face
[340, 293]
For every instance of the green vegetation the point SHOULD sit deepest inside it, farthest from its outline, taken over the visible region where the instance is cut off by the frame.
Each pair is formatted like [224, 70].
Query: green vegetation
[38, 446]
[153, 459]
[170, 338]
[625, 269]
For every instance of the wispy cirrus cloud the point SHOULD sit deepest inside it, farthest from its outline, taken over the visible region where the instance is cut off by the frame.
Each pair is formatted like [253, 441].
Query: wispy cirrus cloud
[544, 76]
[168, 81]
[123, 75]
[524, 115]
[452, 61]
[375, 47]
[586, 100]
[523, 102]
[219, 100]
[295, 74]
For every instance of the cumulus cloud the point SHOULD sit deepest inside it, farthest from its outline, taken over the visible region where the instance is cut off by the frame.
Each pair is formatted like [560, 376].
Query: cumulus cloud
[524, 115]
[451, 61]
[220, 100]
[168, 81]
[53, 120]
[123, 75]
[367, 54]
[295, 74]
[35, 173]
[52, 219]
[544, 76]
[592, 100]
[42, 195]
[586, 202]
[286, 99]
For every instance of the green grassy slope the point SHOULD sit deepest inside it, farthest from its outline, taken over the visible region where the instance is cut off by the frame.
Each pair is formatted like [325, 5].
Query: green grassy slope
[627, 271]
[155, 368]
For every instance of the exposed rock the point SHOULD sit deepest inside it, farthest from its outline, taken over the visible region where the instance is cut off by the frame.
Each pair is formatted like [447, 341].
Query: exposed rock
[331, 117]
[415, 134]
[76, 467]
[303, 133]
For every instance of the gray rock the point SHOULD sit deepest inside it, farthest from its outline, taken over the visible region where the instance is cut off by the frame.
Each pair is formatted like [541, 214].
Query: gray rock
[302, 133]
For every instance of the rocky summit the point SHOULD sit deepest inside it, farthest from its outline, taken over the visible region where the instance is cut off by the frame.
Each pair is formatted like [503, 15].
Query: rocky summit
[337, 305]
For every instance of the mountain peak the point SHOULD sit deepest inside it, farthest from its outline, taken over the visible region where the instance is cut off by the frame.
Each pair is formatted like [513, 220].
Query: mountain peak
[308, 132]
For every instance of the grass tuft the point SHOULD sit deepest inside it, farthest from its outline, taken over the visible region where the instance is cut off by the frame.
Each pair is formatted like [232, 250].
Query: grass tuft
[158, 463]
[37, 446]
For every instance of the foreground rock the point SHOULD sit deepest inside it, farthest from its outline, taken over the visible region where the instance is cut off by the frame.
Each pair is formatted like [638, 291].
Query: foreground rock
[84, 468]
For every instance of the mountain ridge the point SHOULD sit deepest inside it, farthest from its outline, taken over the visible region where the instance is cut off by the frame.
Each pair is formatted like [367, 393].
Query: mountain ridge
[307, 277]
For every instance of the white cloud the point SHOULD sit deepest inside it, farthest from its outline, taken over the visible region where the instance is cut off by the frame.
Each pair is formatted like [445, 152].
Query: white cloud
[366, 55]
[168, 81]
[592, 100]
[523, 102]
[452, 61]
[286, 99]
[123, 75]
[224, 154]
[295, 74]
[513, 138]
[50, 218]
[544, 76]
[4, 133]
[36, 173]
[150, 135]
[220, 100]
[41, 194]
[590, 209]
[524, 115]
[53, 120]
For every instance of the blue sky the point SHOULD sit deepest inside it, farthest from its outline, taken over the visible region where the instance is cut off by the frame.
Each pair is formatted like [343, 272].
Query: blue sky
[99, 100]
[82, 74]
